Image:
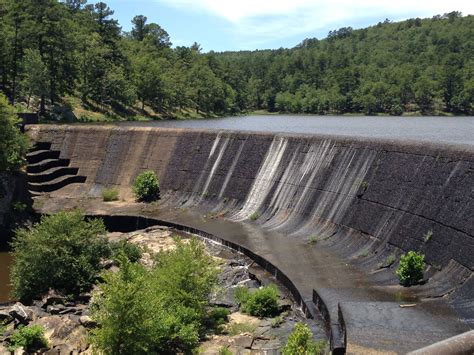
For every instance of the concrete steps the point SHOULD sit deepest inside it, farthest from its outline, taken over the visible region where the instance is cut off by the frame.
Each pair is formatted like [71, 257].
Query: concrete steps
[56, 184]
[47, 172]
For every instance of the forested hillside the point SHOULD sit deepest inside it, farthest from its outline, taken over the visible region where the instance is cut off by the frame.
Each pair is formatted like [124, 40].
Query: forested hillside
[56, 55]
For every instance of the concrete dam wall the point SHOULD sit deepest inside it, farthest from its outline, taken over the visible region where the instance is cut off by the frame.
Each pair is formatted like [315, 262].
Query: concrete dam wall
[367, 200]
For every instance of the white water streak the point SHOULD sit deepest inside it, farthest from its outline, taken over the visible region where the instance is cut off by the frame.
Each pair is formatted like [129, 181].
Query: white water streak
[264, 179]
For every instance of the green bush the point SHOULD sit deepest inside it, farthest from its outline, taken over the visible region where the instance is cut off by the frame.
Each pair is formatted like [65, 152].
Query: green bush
[62, 252]
[13, 144]
[109, 195]
[261, 303]
[216, 317]
[411, 268]
[300, 342]
[131, 251]
[146, 186]
[161, 310]
[30, 338]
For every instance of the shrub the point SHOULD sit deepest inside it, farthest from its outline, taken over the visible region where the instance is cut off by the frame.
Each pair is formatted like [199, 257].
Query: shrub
[159, 310]
[62, 252]
[30, 338]
[217, 316]
[300, 342]
[13, 144]
[146, 186]
[132, 252]
[261, 303]
[109, 195]
[411, 268]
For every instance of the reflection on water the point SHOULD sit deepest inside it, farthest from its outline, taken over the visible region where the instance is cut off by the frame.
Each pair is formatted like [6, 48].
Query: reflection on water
[5, 262]
[457, 130]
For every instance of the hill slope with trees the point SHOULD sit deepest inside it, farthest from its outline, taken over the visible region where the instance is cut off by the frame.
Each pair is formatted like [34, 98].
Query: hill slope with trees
[59, 56]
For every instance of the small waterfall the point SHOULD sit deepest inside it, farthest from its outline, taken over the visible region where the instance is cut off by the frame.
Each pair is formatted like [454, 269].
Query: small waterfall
[296, 187]
[222, 149]
[197, 189]
[343, 184]
[264, 179]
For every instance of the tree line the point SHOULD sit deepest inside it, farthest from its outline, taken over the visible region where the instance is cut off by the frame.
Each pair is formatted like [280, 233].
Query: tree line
[50, 50]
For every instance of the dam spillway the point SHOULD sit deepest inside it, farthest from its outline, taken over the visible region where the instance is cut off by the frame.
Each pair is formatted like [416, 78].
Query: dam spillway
[365, 200]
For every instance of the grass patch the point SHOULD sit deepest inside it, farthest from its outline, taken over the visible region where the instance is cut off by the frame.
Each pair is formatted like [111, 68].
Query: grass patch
[428, 236]
[388, 261]
[312, 239]
[109, 195]
[254, 216]
[225, 351]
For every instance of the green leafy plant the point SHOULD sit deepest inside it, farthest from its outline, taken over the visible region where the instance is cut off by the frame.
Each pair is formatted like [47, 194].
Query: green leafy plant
[261, 303]
[62, 252]
[30, 338]
[411, 268]
[13, 144]
[300, 342]
[217, 316]
[254, 216]
[131, 251]
[146, 186]
[109, 195]
[160, 310]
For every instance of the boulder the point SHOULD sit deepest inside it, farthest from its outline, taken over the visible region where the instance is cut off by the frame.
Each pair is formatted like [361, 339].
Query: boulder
[52, 298]
[21, 313]
[87, 322]
[55, 309]
[5, 317]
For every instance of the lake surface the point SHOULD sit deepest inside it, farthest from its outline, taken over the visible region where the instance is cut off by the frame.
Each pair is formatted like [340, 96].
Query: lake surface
[5, 262]
[454, 130]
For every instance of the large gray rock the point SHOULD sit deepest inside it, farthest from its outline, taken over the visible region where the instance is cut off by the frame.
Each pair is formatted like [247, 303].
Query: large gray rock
[21, 313]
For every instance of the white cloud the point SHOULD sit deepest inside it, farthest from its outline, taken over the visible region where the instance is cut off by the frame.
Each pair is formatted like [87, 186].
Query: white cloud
[257, 21]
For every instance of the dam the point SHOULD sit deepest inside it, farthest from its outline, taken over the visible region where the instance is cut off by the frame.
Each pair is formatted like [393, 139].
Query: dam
[365, 200]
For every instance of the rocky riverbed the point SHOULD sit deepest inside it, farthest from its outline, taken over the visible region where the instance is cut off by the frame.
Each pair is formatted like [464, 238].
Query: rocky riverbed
[67, 322]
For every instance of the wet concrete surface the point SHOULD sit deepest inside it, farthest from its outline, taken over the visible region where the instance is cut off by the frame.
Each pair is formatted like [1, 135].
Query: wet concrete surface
[375, 320]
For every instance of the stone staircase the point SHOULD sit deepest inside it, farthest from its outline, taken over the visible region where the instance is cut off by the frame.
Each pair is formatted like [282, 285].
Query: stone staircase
[47, 172]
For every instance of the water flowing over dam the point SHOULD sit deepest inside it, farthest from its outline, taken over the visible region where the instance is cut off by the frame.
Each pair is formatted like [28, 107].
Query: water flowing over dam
[364, 200]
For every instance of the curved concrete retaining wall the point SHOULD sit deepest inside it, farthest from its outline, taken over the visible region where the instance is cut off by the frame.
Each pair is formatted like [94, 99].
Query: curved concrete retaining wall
[368, 198]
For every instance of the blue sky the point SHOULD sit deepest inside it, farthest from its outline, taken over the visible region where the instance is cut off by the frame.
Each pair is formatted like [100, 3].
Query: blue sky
[260, 24]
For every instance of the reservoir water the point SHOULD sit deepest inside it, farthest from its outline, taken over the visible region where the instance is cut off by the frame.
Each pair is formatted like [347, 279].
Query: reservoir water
[452, 130]
[5, 262]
